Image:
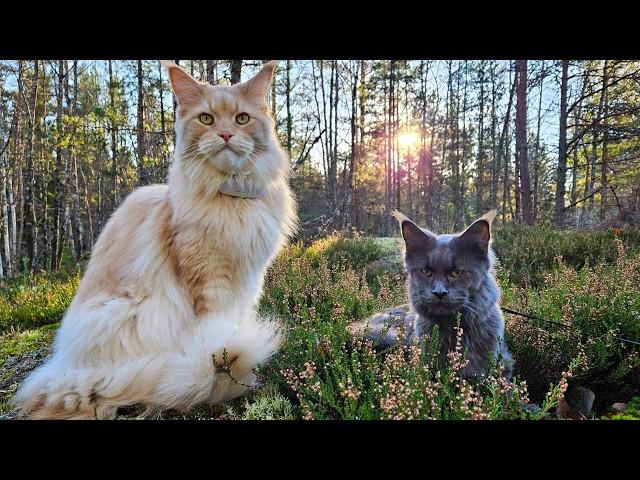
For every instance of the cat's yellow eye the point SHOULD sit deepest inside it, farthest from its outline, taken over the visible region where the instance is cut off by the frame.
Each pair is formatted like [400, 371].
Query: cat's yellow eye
[426, 272]
[206, 118]
[242, 118]
[456, 273]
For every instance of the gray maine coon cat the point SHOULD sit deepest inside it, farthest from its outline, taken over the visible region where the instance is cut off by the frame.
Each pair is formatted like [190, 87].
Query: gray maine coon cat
[447, 275]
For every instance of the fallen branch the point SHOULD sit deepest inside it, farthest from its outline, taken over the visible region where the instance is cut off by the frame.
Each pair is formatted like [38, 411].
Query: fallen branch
[593, 192]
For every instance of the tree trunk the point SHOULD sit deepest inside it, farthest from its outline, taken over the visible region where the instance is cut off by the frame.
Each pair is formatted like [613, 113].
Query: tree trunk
[212, 66]
[503, 149]
[480, 167]
[389, 141]
[76, 220]
[521, 141]
[561, 178]
[236, 71]
[17, 172]
[605, 142]
[349, 187]
[536, 165]
[142, 174]
[495, 159]
[289, 121]
[114, 145]
[60, 170]
[29, 218]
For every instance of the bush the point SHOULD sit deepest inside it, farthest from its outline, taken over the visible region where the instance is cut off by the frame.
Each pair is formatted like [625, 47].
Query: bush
[357, 252]
[526, 254]
[36, 300]
[598, 304]
[353, 381]
[328, 375]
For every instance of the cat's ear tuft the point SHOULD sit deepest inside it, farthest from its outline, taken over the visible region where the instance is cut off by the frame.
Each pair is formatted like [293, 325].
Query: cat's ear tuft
[478, 234]
[489, 216]
[416, 240]
[186, 89]
[258, 86]
[400, 217]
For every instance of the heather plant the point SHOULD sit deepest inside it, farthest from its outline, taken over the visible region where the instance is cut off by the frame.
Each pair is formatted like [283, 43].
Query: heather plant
[322, 372]
[527, 254]
[407, 382]
[36, 300]
[597, 305]
[357, 251]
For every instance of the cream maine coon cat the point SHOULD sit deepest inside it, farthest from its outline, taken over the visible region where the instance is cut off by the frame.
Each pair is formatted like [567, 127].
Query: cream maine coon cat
[176, 274]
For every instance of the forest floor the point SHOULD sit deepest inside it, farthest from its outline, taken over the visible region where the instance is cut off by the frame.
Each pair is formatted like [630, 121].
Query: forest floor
[589, 281]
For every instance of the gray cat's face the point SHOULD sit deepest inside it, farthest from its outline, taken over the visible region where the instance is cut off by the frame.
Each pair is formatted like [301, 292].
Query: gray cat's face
[446, 271]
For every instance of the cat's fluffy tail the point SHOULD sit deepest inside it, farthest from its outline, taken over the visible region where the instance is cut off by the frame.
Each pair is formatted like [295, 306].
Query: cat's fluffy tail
[60, 389]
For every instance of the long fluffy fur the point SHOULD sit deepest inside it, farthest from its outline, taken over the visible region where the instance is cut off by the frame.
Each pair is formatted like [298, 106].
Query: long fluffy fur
[174, 279]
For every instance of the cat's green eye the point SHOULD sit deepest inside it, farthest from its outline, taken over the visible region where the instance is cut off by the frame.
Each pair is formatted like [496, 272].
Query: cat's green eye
[242, 118]
[456, 273]
[206, 118]
[426, 272]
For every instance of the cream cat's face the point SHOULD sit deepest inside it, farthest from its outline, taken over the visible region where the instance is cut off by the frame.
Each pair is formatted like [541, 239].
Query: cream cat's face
[226, 130]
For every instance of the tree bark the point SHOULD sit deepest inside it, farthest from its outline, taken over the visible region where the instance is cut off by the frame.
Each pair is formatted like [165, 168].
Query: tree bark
[29, 218]
[212, 66]
[142, 173]
[114, 145]
[521, 142]
[480, 163]
[349, 187]
[288, 98]
[236, 71]
[561, 177]
[605, 143]
[60, 170]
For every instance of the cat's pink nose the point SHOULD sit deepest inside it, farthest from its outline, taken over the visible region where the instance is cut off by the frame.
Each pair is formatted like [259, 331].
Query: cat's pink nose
[225, 136]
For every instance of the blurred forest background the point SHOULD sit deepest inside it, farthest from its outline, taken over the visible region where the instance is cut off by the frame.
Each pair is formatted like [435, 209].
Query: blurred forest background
[544, 142]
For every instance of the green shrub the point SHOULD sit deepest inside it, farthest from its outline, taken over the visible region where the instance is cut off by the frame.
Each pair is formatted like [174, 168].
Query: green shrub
[322, 370]
[350, 380]
[527, 253]
[598, 304]
[36, 300]
[632, 411]
[357, 252]
[265, 404]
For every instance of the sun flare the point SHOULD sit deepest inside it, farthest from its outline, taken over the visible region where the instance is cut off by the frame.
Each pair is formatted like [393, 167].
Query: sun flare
[408, 139]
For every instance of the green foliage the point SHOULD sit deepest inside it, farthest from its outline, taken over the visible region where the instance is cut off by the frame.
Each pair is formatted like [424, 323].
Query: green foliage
[357, 252]
[632, 411]
[266, 404]
[321, 371]
[527, 253]
[318, 282]
[331, 376]
[599, 304]
[18, 342]
[35, 300]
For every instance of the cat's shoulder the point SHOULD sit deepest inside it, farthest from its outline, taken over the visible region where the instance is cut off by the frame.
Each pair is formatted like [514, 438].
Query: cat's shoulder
[147, 194]
[144, 199]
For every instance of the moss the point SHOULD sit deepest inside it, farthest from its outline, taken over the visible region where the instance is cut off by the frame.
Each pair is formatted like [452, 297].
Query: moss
[18, 342]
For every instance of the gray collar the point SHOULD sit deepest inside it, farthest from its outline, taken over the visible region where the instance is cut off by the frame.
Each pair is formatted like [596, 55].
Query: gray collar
[234, 188]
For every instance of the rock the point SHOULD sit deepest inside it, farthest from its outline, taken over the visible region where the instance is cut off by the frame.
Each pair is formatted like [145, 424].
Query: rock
[392, 265]
[531, 407]
[619, 407]
[576, 404]
[563, 410]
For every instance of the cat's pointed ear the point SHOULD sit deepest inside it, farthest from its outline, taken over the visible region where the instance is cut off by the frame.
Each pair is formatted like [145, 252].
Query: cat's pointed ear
[188, 91]
[416, 240]
[258, 86]
[478, 234]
